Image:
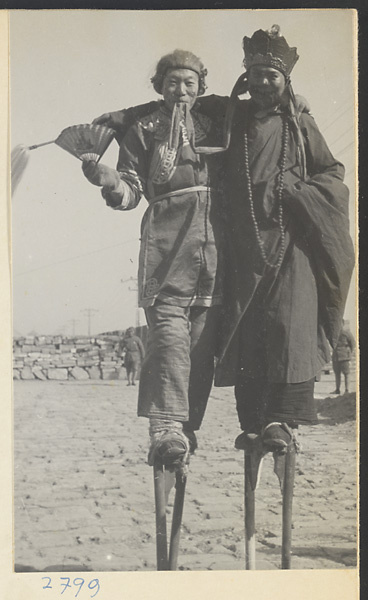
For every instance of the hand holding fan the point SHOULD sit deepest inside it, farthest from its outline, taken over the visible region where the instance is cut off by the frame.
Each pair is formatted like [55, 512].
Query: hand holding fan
[86, 142]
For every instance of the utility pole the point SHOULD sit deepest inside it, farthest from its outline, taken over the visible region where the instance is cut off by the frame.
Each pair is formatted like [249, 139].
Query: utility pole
[134, 289]
[89, 313]
[73, 323]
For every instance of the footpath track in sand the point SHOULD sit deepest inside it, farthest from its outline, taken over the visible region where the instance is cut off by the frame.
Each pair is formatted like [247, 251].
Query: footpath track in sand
[83, 493]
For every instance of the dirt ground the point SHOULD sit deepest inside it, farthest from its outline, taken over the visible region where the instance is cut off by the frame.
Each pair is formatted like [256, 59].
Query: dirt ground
[83, 493]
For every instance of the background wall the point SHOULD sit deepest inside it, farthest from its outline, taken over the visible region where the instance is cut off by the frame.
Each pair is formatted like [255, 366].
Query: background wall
[70, 358]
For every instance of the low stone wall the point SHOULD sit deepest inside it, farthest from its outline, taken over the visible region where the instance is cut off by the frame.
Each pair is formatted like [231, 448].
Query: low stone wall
[61, 358]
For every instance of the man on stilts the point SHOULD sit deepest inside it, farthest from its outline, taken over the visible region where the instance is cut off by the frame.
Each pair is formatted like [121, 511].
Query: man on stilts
[180, 269]
[289, 261]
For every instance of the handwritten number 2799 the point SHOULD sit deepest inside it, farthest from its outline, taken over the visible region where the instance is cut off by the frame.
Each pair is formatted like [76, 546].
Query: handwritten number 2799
[78, 582]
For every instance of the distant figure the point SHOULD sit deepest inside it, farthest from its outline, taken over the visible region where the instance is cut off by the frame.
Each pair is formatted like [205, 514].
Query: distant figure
[134, 354]
[341, 357]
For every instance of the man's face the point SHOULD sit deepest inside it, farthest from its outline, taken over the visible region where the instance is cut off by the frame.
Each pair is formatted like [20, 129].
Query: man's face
[180, 85]
[266, 85]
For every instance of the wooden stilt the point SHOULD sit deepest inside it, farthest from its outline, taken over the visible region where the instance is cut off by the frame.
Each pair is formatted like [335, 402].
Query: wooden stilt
[253, 457]
[164, 480]
[176, 520]
[160, 504]
[284, 467]
[170, 478]
[287, 506]
[249, 505]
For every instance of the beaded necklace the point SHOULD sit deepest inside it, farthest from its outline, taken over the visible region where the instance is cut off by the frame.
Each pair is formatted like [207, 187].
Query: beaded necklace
[280, 188]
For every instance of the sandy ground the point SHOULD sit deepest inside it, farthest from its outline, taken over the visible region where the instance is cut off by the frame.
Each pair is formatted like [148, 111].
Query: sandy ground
[83, 493]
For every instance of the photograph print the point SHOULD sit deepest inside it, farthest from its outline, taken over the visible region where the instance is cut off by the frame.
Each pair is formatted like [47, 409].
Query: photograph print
[183, 230]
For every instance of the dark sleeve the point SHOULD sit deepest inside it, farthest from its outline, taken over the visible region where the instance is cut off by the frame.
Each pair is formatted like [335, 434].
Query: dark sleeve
[133, 158]
[121, 121]
[320, 204]
[212, 106]
[132, 167]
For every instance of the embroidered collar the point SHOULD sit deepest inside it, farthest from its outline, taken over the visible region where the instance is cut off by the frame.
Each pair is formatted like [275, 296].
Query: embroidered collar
[159, 123]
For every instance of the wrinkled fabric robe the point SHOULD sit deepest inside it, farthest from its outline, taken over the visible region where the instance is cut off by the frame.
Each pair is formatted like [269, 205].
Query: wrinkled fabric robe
[180, 257]
[180, 263]
[279, 321]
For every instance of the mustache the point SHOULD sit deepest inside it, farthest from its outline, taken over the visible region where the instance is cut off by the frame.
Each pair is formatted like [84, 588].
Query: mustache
[261, 90]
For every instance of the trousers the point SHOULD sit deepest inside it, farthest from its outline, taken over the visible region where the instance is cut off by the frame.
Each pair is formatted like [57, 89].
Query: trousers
[177, 371]
[260, 402]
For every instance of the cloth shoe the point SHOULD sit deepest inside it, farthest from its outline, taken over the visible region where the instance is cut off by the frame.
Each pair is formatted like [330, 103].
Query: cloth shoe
[276, 437]
[171, 448]
[168, 443]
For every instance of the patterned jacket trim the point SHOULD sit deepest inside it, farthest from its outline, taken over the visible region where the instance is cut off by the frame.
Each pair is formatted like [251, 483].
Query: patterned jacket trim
[158, 123]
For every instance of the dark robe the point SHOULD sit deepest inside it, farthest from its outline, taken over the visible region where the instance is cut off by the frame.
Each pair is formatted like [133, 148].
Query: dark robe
[279, 320]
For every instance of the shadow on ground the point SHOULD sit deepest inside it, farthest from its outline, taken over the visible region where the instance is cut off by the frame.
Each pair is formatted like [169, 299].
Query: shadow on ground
[347, 557]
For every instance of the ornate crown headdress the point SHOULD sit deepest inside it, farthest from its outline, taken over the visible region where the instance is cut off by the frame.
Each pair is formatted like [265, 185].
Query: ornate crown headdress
[271, 49]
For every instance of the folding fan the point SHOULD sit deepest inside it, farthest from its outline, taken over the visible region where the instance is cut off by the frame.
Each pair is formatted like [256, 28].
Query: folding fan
[86, 142]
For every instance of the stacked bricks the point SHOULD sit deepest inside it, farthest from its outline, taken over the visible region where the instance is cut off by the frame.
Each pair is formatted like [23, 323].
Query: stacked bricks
[69, 358]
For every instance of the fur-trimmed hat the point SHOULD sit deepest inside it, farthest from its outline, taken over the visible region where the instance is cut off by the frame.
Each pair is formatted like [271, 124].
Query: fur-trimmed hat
[179, 59]
[269, 48]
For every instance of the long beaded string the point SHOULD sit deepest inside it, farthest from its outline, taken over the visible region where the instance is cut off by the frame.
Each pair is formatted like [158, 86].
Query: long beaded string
[280, 189]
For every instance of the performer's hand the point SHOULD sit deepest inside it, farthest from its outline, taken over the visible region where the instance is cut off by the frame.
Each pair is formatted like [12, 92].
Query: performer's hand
[100, 175]
[302, 104]
[112, 119]
[102, 119]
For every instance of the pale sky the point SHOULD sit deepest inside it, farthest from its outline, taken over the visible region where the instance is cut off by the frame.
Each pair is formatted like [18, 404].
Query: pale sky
[70, 251]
